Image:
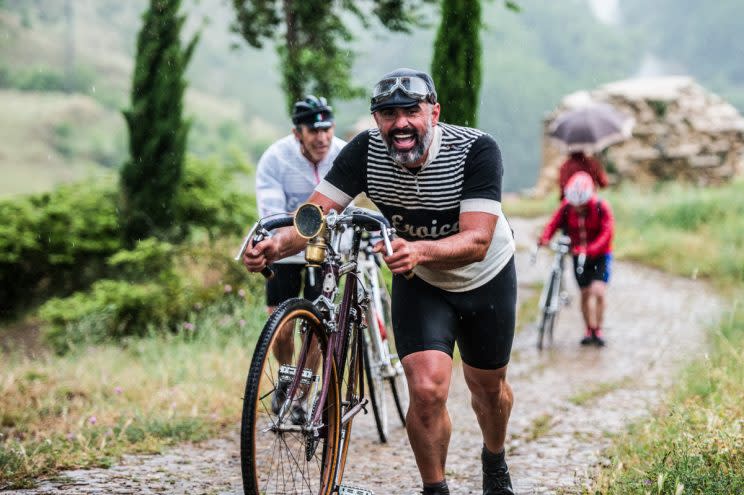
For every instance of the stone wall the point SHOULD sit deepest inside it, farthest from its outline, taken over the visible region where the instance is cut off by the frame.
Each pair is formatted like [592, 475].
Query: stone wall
[682, 133]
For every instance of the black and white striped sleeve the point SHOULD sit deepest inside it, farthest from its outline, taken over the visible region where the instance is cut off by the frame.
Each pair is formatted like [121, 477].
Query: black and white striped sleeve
[348, 175]
[481, 189]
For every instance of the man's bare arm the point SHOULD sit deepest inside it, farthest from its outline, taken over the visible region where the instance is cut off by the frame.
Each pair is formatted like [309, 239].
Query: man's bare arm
[285, 241]
[467, 246]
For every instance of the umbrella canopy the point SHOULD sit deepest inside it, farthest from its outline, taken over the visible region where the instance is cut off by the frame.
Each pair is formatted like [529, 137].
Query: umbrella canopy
[591, 128]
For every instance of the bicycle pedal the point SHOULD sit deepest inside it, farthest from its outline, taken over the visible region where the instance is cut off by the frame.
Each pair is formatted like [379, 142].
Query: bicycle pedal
[287, 374]
[353, 490]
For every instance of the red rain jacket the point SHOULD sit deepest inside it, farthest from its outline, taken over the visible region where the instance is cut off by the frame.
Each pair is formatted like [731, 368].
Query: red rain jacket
[593, 229]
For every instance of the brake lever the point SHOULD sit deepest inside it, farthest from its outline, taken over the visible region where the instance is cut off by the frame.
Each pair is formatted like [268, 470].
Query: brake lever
[389, 248]
[266, 271]
[247, 241]
[533, 254]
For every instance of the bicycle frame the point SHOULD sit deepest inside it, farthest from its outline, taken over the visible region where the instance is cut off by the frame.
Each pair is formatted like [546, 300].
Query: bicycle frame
[343, 321]
[553, 293]
[561, 247]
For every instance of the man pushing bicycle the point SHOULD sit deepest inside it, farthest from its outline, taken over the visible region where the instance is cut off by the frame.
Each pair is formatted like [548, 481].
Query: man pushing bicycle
[439, 185]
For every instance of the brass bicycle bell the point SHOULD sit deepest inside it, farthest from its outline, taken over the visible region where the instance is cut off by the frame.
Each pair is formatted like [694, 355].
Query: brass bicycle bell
[310, 224]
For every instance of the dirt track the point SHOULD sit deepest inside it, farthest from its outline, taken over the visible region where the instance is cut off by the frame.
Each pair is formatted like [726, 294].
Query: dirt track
[567, 400]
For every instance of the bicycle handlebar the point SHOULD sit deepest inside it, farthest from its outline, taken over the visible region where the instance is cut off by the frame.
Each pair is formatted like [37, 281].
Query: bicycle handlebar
[258, 233]
[367, 219]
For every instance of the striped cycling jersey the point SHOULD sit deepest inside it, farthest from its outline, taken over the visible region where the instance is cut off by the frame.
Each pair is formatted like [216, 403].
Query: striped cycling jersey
[285, 178]
[462, 173]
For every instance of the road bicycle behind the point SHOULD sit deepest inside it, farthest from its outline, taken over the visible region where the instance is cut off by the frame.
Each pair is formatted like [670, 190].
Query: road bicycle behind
[383, 369]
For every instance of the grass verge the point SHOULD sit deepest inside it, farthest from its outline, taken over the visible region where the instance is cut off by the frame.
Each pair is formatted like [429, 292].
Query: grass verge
[597, 390]
[87, 408]
[695, 442]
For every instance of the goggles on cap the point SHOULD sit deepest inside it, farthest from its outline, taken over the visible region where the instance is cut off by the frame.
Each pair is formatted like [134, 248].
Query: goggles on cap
[412, 86]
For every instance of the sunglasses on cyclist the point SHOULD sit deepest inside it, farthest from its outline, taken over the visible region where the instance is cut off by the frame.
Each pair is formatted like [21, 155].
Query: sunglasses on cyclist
[412, 86]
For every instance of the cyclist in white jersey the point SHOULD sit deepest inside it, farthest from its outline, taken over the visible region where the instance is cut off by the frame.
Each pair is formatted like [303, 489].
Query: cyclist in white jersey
[288, 172]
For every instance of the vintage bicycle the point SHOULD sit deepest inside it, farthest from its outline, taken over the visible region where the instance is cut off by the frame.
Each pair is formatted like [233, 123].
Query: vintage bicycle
[298, 409]
[554, 294]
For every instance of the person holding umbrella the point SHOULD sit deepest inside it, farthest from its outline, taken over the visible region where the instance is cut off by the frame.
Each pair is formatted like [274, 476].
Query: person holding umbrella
[584, 131]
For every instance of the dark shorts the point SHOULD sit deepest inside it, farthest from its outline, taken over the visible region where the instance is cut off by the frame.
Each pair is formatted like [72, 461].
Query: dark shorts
[287, 282]
[481, 320]
[595, 268]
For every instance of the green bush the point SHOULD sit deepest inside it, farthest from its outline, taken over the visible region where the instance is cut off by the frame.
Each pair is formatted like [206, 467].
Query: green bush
[150, 296]
[56, 243]
[47, 79]
[209, 199]
[161, 288]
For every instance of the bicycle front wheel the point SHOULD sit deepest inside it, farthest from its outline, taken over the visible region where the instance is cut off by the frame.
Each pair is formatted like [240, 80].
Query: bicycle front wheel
[282, 449]
[547, 312]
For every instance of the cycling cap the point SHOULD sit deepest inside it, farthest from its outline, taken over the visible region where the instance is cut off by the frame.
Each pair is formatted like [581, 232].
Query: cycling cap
[402, 88]
[313, 112]
[579, 189]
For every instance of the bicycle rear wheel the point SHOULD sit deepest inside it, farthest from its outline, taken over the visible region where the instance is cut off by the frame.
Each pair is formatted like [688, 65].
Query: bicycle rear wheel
[376, 388]
[282, 451]
[394, 374]
[399, 388]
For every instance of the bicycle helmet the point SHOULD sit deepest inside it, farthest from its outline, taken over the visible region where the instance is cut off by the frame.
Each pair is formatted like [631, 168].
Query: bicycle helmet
[313, 112]
[579, 189]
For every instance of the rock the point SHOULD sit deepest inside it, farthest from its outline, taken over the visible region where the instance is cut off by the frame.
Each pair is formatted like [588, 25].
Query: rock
[704, 161]
[682, 132]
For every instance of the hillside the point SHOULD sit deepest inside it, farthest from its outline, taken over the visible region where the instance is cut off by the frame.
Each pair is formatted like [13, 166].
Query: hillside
[46, 148]
[528, 65]
[57, 135]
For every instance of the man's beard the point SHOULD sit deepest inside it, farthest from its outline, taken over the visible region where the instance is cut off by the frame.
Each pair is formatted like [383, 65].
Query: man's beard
[414, 154]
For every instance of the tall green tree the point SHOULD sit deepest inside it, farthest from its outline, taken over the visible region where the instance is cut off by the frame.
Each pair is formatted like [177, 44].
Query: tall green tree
[157, 129]
[456, 65]
[313, 41]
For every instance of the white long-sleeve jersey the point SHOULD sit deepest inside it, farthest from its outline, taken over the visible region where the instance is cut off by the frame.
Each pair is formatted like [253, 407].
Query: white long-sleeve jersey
[285, 178]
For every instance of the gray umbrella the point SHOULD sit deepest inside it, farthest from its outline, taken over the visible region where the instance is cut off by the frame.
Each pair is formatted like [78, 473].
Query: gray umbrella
[591, 128]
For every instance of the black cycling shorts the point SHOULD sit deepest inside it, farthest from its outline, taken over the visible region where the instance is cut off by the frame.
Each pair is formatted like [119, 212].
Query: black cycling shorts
[481, 320]
[595, 268]
[287, 282]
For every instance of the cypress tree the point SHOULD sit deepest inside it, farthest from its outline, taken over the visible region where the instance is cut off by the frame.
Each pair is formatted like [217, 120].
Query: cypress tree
[456, 65]
[157, 129]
